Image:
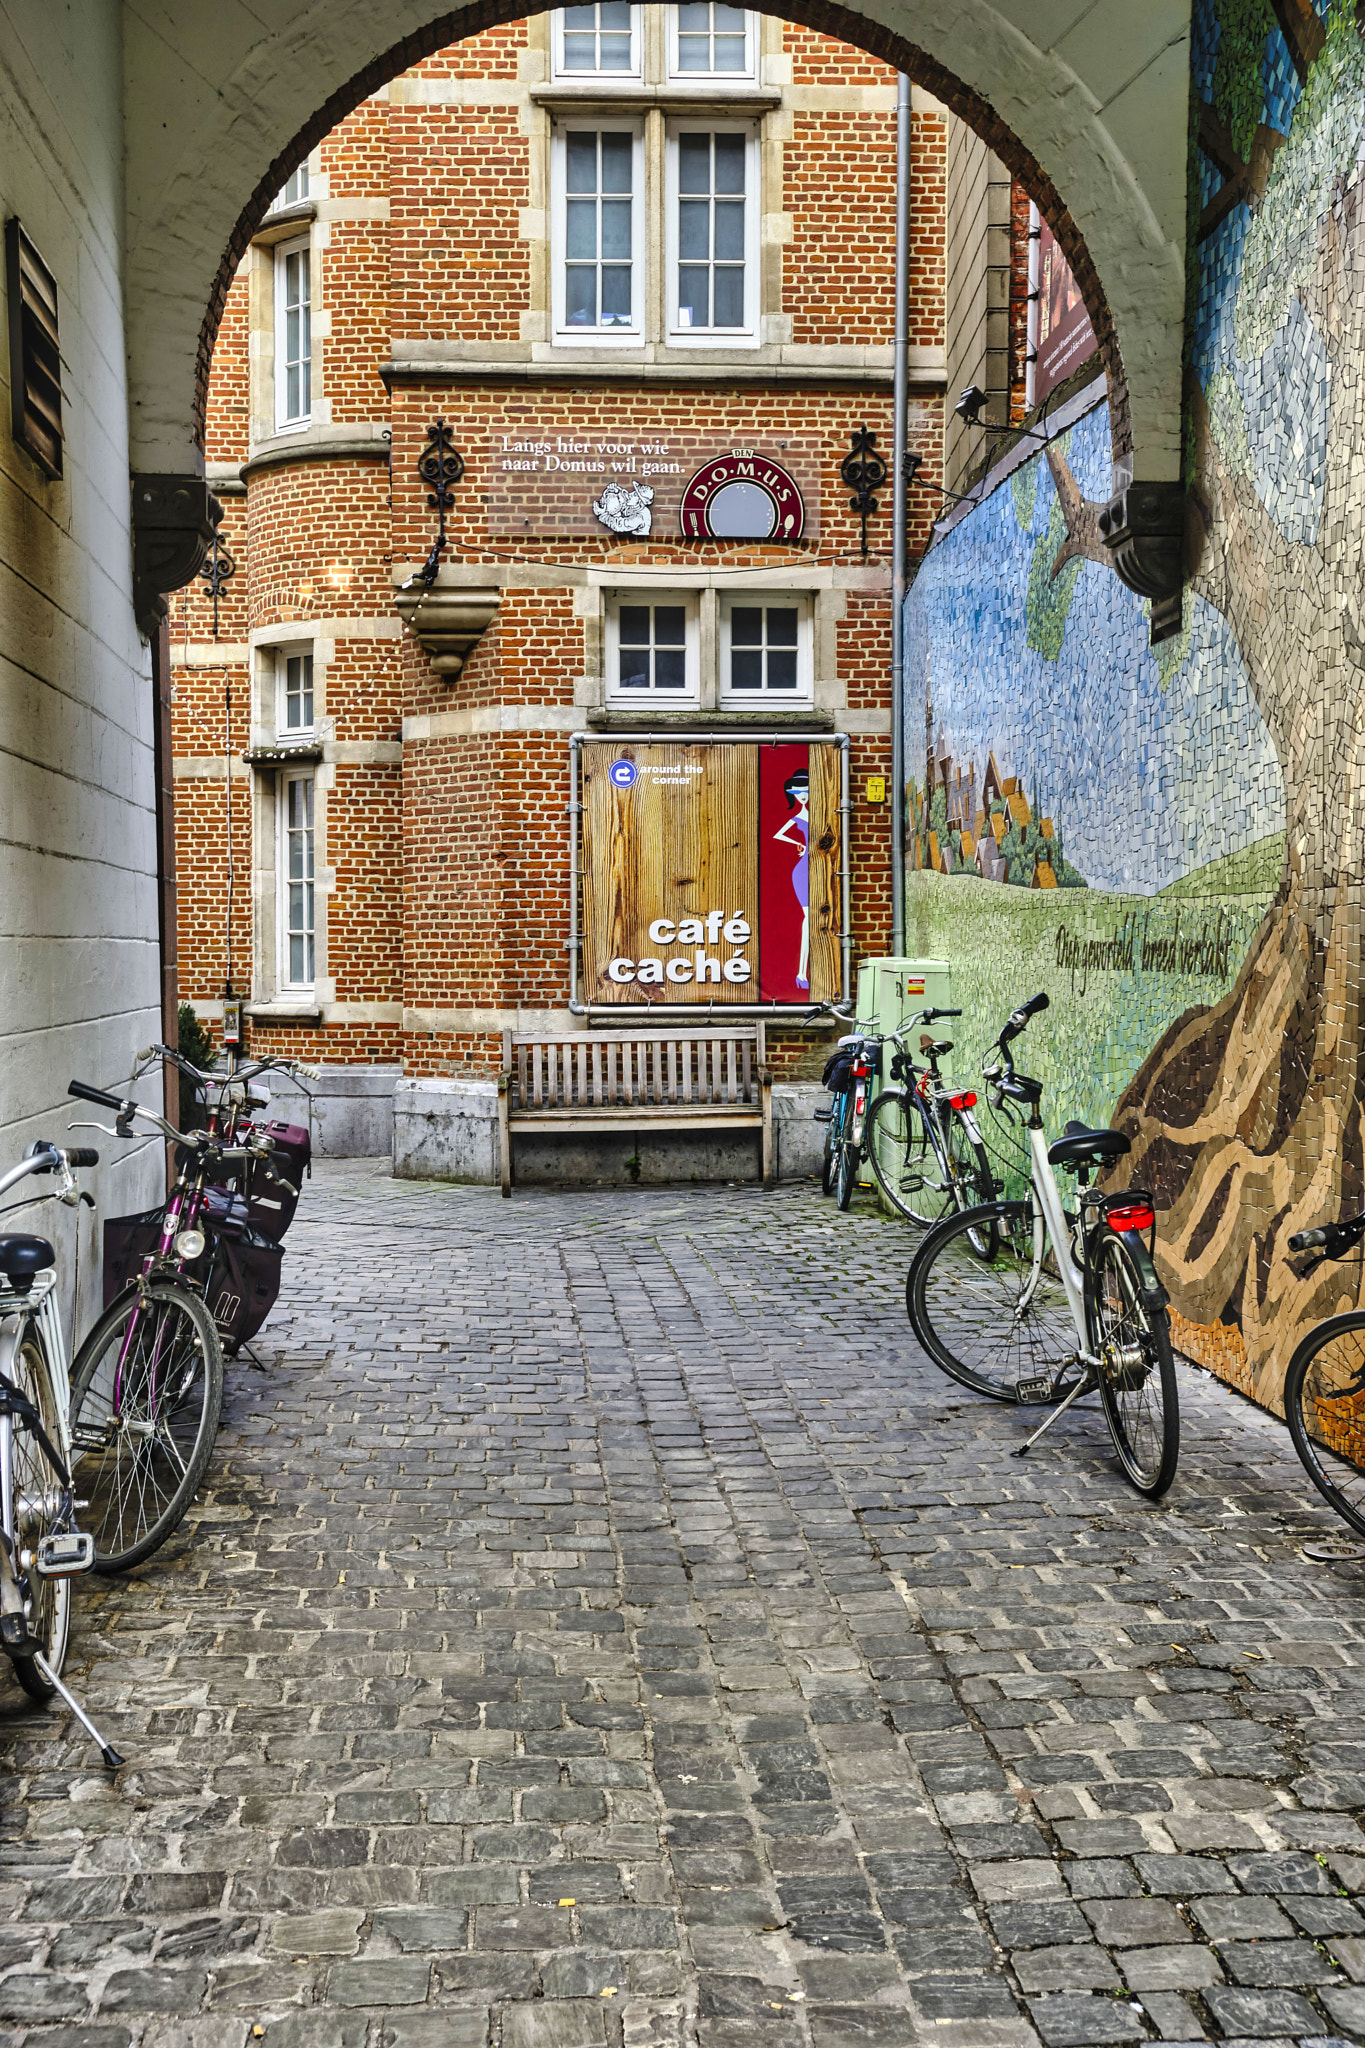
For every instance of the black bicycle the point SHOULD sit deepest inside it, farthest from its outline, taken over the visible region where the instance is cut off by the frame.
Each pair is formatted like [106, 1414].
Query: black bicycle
[922, 1138]
[1324, 1388]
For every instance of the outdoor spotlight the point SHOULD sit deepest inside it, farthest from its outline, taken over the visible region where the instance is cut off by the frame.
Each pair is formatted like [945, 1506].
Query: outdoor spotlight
[971, 405]
[913, 465]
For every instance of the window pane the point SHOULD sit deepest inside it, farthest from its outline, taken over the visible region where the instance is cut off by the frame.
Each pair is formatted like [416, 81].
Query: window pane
[729, 163]
[670, 625]
[580, 297]
[694, 223]
[634, 625]
[615, 229]
[746, 670]
[729, 298]
[580, 228]
[615, 14]
[616, 296]
[781, 627]
[729, 230]
[670, 669]
[618, 157]
[746, 626]
[580, 158]
[694, 163]
[580, 20]
[781, 671]
[615, 53]
[694, 53]
[729, 53]
[693, 300]
[694, 17]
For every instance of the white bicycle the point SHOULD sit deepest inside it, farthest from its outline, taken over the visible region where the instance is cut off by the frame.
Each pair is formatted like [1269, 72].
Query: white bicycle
[1057, 1306]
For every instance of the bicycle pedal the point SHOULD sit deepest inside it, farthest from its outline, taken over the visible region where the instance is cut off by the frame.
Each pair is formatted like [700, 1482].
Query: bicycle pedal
[62, 1557]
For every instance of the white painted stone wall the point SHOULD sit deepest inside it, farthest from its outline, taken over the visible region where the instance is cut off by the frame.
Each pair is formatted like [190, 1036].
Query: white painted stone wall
[78, 924]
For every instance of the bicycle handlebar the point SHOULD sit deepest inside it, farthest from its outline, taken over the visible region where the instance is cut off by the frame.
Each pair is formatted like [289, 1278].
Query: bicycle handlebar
[85, 1093]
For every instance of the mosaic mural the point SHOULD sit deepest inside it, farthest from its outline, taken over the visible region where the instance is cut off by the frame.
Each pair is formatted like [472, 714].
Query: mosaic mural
[1170, 841]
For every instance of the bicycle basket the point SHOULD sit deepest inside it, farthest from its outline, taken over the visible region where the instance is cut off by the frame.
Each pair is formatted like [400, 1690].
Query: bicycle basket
[242, 1286]
[272, 1187]
[127, 1242]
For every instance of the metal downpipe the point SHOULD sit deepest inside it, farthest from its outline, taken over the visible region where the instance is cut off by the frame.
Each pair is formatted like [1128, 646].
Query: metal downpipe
[898, 517]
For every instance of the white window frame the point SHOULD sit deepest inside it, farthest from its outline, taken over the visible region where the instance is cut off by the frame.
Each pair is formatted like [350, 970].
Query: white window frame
[283, 655]
[601, 337]
[563, 76]
[709, 81]
[785, 600]
[293, 191]
[284, 982]
[286, 422]
[746, 336]
[690, 695]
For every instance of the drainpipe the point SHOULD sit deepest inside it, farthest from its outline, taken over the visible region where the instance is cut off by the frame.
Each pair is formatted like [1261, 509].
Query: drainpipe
[898, 518]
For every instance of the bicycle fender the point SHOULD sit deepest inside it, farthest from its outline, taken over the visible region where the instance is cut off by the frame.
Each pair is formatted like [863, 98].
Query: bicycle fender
[1154, 1295]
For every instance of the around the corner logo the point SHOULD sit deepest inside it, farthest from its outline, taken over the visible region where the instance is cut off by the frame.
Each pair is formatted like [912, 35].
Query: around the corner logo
[623, 773]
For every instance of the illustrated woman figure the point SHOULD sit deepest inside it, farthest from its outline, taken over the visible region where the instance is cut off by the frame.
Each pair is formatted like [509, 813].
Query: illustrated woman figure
[795, 831]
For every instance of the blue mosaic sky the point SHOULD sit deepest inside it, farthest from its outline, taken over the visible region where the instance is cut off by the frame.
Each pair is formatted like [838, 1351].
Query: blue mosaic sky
[1147, 782]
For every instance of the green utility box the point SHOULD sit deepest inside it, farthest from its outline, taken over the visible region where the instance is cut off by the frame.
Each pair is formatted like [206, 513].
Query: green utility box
[892, 990]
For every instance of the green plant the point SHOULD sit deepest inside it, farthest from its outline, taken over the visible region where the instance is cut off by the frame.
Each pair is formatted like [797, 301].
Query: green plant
[195, 1045]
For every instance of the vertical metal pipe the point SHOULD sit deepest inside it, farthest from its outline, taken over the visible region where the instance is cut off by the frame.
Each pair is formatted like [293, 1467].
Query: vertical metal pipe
[898, 520]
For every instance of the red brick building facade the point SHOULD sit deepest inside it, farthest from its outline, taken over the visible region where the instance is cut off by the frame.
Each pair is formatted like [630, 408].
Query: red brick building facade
[602, 246]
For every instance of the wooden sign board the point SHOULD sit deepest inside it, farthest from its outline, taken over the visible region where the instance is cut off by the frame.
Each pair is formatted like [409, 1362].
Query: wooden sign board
[710, 872]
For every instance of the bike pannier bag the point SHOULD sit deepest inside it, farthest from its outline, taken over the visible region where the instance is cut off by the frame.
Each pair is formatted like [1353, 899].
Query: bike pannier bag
[273, 1184]
[838, 1070]
[243, 1283]
[127, 1242]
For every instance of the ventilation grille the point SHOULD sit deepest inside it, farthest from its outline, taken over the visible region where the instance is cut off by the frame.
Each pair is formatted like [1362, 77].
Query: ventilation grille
[35, 362]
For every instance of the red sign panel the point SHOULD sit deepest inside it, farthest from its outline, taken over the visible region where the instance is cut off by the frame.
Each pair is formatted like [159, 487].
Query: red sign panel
[742, 496]
[1065, 336]
[784, 922]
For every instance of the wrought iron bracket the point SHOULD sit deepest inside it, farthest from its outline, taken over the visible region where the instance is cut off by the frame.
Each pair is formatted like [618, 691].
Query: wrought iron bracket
[864, 471]
[218, 567]
[1144, 529]
[175, 519]
[440, 466]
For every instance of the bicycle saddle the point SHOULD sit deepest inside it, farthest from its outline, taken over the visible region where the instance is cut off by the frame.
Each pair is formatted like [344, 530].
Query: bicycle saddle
[1080, 1147]
[937, 1046]
[22, 1257]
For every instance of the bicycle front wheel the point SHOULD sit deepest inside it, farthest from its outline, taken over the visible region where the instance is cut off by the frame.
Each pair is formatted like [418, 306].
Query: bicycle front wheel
[1324, 1405]
[972, 1184]
[906, 1170]
[1136, 1370]
[847, 1160]
[991, 1320]
[833, 1132]
[35, 1501]
[146, 1397]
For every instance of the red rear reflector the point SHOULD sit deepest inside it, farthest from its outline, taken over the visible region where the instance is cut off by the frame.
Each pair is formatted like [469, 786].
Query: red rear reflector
[962, 1101]
[1131, 1219]
[861, 1073]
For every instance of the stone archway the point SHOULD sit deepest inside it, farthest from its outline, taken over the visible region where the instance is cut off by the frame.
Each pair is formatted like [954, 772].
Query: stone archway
[1093, 123]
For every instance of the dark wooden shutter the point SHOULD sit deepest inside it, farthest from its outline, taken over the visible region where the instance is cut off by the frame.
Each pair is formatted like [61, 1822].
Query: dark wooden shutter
[35, 362]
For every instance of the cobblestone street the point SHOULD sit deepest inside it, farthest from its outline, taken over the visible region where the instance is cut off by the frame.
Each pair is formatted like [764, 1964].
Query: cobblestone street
[602, 1629]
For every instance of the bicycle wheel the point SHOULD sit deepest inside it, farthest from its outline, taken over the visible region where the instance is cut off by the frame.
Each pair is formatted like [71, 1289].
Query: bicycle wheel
[972, 1184]
[35, 1501]
[847, 1160]
[990, 1322]
[905, 1167]
[144, 1418]
[1324, 1404]
[838, 1106]
[1137, 1372]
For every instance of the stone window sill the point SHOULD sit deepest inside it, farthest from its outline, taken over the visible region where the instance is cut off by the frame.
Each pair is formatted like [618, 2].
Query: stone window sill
[302, 1012]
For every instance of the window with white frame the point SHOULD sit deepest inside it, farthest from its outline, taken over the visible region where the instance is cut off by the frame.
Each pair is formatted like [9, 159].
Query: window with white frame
[765, 648]
[598, 228]
[713, 227]
[295, 869]
[710, 40]
[601, 41]
[652, 647]
[294, 190]
[294, 690]
[293, 334]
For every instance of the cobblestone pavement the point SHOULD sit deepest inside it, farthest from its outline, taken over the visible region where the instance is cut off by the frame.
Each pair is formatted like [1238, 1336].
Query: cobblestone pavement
[605, 1631]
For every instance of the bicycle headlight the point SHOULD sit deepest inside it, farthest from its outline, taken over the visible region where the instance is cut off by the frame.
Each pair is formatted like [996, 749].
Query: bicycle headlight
[190, 1243]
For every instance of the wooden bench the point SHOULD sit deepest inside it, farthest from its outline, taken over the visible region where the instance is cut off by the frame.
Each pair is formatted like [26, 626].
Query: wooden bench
[681, 1080]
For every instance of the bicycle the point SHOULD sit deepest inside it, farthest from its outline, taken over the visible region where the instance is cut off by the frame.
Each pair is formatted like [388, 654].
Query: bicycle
[1324, 1388]
[147, 1382]
[922, 1137]
[1064, 1305]
[41, 1548]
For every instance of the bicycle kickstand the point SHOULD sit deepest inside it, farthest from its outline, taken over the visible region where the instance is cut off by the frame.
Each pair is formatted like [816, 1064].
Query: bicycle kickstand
[1085, 1385]
[106, 1749]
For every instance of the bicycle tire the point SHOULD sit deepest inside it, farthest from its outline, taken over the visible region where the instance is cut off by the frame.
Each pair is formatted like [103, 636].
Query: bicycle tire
[1320, 1378]
[846, 1164]
[896, 1146]
[180, 1342]
[838, 1106]
[49, 1616]
[1132, 1340]
[972, 1182]
[965, 1310]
